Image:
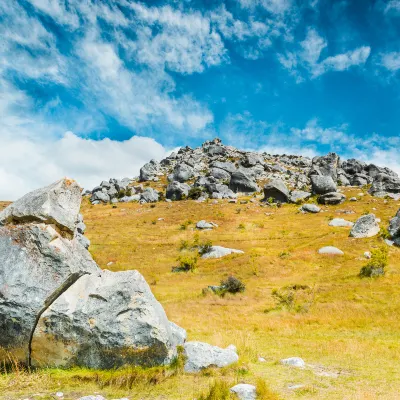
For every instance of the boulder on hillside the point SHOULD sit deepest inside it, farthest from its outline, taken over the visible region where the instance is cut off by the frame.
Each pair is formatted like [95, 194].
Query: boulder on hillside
[182, 173]
[330, 250]
[202, 355]
[177, 190]
[105, 320]
[149, 195]
[332, 198]
[57, 204]
[366, 226]
[297, 196]
[394, 228]
[149, 171]
[206, 225]
[277, 191]
[383, 185]
[219, 251]
[243, 183]
[310, 208]
[226, 166]
[252, 159]
[220, 174]
[340, 222]
[38, 260]
[244, 391]
[322, 184]
[326, 166]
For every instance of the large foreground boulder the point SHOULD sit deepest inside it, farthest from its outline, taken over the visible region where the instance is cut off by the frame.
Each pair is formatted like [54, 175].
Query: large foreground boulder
[57, 307]
[37, 263]
[242, 182]
[105, 320]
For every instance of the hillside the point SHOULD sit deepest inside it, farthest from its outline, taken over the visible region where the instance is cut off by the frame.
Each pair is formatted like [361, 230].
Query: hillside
[297, 302]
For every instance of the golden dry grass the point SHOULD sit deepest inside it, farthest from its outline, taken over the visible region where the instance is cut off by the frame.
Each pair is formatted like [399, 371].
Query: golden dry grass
[349, 336]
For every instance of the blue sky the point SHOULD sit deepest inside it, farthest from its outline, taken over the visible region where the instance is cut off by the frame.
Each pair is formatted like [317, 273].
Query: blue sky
[93, 89]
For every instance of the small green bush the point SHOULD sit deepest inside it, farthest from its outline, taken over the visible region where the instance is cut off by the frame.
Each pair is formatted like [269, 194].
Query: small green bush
[376, 265]
[205, 247]
[195, 193]
[233, 285]
[218, 391]
[263, 392]
[187, 262]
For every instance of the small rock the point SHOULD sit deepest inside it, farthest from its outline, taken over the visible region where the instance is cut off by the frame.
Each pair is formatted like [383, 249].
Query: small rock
[366, 226]
[92, 397]
[294, 362]
[367, 255]
[331, 250]
[310, 208]
[261, 359]
[245, 391]
[340, 222]
[353, 199]
[219, 251]
[332, 198]
[59, 394]
[206, 225]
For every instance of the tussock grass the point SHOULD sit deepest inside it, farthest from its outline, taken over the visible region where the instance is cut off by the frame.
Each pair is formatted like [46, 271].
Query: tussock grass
[350, 325]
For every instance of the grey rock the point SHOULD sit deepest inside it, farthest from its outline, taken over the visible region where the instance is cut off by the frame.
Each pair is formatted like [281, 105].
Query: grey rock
[330, 250]
[149, 195]
[100, 197]
[219, 251]
[342, 180]
[276, 190]
[218, 173]
[360, 180]
[226, 166]
[326, 166]
[245, 391]
[310, 208]
[332, 198]
[177, 190]
[149, 171]
[36, 265]
[104, 320]
[384, 184]
[322, 184]
[366, 226]
[252, 159]
[206, 225]
[297, 196]
[182, 173]
[83, 240]
[241, 182]
[57, 204]
[394, 226]
[92, 397]
[129, 199]
[340, 222]
[202, 355]
[179, 334]
[294, 362]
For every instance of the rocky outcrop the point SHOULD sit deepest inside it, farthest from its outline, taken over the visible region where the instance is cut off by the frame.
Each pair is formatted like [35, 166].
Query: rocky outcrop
[149, 171]
[394, 229]
[326, 166]
[384, 185]
[242, 182]
[177, 191]
[57, 308]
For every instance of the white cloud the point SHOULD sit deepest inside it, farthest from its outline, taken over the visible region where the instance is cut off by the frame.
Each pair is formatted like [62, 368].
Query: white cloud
[391, 61]
[392, 6]
[312, 47]
[342, 62]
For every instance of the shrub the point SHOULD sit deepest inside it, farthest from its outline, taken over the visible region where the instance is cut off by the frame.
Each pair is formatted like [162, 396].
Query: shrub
[263, 392]
[384, 233]
[376, 265]
[124, 192]
[233, 285]
[241, 226]
[297, 298]
[184, 225]
[195, 193]
[218, 391]
[187, 262]
[205, 247]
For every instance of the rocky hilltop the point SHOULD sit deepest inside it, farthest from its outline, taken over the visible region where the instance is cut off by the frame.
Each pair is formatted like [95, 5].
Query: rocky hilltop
[216, 171]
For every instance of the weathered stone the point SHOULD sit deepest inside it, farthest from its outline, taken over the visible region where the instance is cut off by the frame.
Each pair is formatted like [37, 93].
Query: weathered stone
[57, 204]
[100, 197]
[340, 222]
[297, 196]
[245, 391]
[394, 226]
[182, 173]
[241, 182]
[202, 355]
[219, 251]
[149, 195]
[104, 320]
[332, 198]
[322, 184]
[206, 225]
[277, 191]
[149, 171]
[384, 184]
[177, 190]
[179, 334]
[218, 173]
[330, 250]
[294, 362]
[310, 208]
[365, 226]
[326, 165]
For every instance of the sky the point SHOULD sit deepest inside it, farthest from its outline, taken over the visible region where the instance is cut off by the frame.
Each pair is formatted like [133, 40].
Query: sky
[95, 89]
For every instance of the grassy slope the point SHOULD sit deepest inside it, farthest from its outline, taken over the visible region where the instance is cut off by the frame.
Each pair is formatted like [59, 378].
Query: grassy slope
[351, 327]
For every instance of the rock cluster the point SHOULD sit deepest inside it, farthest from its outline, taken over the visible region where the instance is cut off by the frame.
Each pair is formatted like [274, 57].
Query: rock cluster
[216, 171]
[394, 229]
